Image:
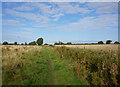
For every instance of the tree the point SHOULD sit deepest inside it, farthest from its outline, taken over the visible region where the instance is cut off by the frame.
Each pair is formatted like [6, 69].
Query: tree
[5, 43]
[25, 43]
[56, 43]
[45, 44]
[108, 41]
[32, 43]
[61, 43]
[69, 43]
[40, 41]
[116, 42]
[22, 44]
[100, 42]
[15, 43]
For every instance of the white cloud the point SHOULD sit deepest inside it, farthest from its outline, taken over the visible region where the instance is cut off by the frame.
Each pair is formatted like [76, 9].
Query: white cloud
[19, 36]
[28, 29]
[104, 7]
[44, 25]
[23, 8]
[12, 23]
[71, 9]
[57, 15]
[43, 11]
[30, 16]
[101, 22]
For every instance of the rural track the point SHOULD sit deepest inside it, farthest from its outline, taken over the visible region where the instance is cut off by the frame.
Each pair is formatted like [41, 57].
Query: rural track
[50, 67]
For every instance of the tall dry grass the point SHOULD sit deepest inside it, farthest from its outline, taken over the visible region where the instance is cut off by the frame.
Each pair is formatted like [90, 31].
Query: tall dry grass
[97, 67]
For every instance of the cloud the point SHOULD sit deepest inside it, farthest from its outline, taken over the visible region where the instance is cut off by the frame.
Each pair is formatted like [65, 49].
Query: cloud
[27, 29]
[19, 36]
[71, 9]
[24, 7]
[44, 11]
[101, 22]
[103, 7]
[12, 23]
[44, 25]
[29, 16]
[57, 16]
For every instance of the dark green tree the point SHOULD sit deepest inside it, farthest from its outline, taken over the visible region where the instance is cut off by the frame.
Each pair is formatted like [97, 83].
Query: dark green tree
[116, 42]
[15, 43]
[61, 43]
[108, 41]
[56, 43]
[45, 44]
[69, 43]
[22, 44]
[100, 42]
[40, 41]
[32, 43]
[5, 43]
[25, 43]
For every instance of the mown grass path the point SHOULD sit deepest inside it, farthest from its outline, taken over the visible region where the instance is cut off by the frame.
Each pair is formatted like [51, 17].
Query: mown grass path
[59, 72]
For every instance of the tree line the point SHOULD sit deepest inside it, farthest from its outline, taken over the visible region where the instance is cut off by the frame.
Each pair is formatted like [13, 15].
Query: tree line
[40, 42]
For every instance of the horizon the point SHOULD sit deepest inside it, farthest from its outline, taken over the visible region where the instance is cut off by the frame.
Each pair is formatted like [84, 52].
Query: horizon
[63, 21]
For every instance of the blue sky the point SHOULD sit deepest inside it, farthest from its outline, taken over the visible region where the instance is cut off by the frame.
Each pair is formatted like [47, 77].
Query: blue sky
[59, 21]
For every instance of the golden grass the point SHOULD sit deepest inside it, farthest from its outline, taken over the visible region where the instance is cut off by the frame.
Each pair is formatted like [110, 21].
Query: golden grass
[96, 47]
[11, 54]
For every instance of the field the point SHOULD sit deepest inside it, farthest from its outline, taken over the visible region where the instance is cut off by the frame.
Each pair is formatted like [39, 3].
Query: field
[60, 65]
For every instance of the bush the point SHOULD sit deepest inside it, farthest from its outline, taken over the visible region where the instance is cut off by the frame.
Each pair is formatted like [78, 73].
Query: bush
[32, 43]
[45, 44]
[5, 43]
[15, 43]
[108, 41]
[116, 42]
[69, 43]
[100, 42]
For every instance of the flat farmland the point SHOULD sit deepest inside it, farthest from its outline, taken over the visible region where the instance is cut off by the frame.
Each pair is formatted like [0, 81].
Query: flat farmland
[60, 65]
[96, 47]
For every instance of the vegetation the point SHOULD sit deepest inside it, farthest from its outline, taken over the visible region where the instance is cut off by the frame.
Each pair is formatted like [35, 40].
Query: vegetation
[32, 43]
[100, 42]
[50, 65]
[69, 43]
[25, 43]
[5, 43]
[96, 67]
[40, 41]
[108, 41]
[45, 44]
[15, 43]
[36, 66]
[116, 42]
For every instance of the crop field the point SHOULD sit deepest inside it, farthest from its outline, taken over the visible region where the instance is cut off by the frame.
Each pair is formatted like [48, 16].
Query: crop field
[96, 47]
[60, 65]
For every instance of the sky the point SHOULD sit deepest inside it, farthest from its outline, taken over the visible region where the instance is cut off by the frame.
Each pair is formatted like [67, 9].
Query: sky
[59, 21]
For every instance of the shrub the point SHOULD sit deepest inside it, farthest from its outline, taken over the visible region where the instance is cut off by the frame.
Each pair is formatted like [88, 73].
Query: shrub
[108, 41]
[100, 42]
[5, 43]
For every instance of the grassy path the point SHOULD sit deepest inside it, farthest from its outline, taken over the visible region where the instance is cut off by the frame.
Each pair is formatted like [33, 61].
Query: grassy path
[41, 67]
[59, 72]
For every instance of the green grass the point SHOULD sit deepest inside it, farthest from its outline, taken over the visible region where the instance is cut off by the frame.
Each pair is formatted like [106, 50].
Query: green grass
[50, 65]
[97, 67]
[40, 67]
